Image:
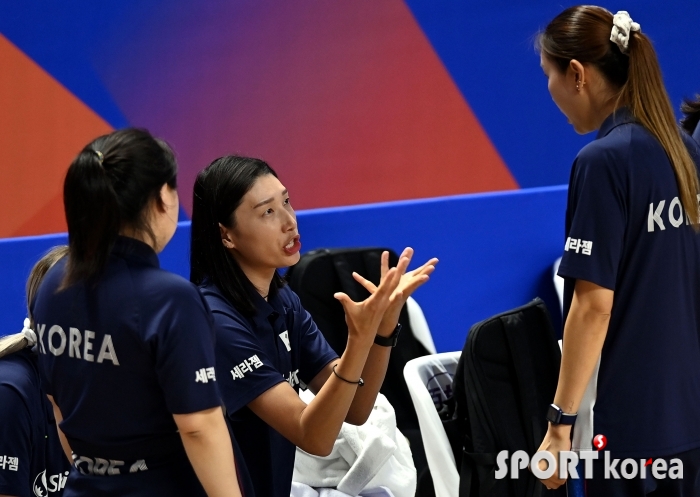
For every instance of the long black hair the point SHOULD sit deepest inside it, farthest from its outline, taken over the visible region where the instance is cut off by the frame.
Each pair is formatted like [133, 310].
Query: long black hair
[691, 109]
[107, 187]
[218, 191]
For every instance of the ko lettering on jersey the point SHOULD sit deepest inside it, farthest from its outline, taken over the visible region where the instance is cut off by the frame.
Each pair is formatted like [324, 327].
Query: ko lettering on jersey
[627, 231]
[279, 343]
[120, 357]
[674, 214]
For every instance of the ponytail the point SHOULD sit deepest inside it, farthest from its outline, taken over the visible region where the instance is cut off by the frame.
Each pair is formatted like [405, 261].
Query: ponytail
[107, 188]
[92, 215]
[645, 95]
[14, 343]
[584, 33]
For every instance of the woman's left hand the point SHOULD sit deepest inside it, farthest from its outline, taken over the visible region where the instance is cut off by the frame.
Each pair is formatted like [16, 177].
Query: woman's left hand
[557, 439]
[409, 282]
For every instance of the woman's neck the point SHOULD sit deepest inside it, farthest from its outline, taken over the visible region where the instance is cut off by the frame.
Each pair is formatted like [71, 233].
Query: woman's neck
[261, 279]
[137, 235]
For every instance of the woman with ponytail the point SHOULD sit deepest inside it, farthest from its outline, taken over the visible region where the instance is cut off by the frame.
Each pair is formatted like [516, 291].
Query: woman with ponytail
[33, 462]
[631, 361]
[126, 350]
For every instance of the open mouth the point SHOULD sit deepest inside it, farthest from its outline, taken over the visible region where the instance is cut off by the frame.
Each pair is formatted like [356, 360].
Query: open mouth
[293, 246]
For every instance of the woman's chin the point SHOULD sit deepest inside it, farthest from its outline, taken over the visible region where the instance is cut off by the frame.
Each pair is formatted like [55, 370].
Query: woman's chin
[292, 259]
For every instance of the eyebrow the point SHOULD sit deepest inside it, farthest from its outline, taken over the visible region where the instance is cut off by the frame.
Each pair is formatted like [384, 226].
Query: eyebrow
[268, 200]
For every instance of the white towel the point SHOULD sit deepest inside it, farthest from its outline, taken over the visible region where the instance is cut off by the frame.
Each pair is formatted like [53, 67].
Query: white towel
[365, 457]
[302, 490]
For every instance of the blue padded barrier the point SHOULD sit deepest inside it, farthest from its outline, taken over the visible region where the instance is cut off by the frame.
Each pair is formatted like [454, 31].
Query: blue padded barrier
[495, 251]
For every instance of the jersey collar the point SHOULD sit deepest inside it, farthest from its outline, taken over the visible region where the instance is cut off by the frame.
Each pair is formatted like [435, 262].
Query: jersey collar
[135, 250]
[617, 118]
[265, 310]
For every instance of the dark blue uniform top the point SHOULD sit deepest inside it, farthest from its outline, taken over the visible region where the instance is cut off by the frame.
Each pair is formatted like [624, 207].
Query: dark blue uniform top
[120, 358]
[627, 231]
[696, 133]
[32, 462]
[280, 343]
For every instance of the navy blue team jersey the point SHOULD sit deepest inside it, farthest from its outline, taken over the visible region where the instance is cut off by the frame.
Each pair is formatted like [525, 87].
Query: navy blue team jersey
[32, 462]
[627, 231]
[279, 343]
[120, 358]
[696, 133]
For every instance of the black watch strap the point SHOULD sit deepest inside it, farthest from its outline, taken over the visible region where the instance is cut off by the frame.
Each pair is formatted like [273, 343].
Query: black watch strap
[391, 340]
[558, 417]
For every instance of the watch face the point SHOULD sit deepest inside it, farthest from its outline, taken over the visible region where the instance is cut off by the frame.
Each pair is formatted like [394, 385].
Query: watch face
[553, 415]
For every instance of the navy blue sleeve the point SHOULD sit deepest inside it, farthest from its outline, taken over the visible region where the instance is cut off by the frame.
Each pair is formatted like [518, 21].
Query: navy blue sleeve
[244, 370]
[315, 351]
[596, 216]
[185, 354]
[15, 444]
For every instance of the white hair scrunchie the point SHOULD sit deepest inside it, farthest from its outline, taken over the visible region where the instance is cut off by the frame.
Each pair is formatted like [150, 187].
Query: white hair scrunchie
[623, 26]
[29, 333]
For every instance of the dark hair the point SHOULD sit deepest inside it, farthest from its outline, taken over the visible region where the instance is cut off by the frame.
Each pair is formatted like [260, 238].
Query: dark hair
[691, 109]
[583, 33]
[108, 187]
[218, 191]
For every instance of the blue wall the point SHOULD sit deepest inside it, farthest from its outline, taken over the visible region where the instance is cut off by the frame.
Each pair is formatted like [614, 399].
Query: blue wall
[495, 251]
[488, 48]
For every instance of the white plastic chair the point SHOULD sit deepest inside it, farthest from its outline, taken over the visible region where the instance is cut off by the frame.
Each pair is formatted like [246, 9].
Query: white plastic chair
[558, 284]
[559, 287]
[419, 325]
[429, 381]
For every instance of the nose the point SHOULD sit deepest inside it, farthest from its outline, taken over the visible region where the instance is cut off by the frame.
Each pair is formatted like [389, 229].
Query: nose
[290, 222]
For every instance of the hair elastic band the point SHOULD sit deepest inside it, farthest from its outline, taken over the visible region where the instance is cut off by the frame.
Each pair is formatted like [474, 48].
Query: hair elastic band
[359, 382]
[100, 157]
[623, 26]
[29, 333]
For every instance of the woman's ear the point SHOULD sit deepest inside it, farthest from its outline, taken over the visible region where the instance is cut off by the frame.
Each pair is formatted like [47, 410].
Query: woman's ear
[226, 238]
[168, 198]
[578, 73]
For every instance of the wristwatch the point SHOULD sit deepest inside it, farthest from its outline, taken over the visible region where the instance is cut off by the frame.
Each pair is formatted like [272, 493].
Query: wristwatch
[391, 340]
[558, 417]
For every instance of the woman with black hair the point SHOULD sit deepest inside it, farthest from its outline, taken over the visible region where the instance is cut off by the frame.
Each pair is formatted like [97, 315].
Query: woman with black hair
[126, 348]
[243, 230]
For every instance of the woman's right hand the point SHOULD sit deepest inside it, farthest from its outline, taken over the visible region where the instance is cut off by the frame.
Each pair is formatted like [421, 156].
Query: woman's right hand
[363, 318]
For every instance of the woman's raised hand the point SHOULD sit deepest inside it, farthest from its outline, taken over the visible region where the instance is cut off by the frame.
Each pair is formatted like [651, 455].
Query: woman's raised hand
[408, 283]
[363, 318]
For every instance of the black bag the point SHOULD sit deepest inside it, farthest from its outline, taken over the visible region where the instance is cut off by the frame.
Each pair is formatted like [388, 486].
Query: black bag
[321, 273]
[505, 381]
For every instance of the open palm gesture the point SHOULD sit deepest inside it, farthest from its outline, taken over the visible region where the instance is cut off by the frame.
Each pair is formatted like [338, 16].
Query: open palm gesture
[408, 283]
